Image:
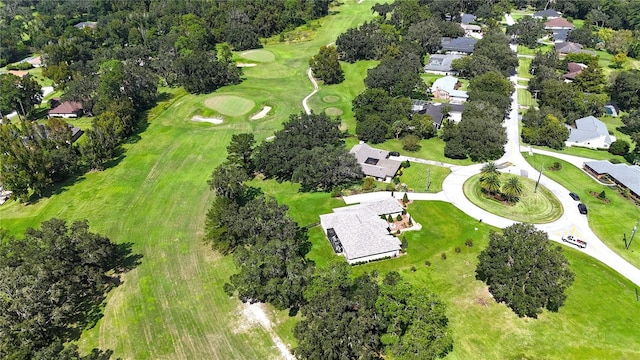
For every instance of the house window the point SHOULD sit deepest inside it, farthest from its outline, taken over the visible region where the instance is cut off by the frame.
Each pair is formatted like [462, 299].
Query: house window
[371, 161]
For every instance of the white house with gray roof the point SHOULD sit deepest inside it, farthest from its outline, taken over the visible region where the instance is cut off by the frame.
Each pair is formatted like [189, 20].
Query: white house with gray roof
[359, 232]
[375, 162]
[447, 88]
[625, 176]
[590, 132]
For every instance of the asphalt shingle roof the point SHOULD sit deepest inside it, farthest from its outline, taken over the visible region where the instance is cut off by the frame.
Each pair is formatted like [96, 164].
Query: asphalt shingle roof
[382, 168]
[459, 44]
[438, 62]
[628, 175]
[588, 128]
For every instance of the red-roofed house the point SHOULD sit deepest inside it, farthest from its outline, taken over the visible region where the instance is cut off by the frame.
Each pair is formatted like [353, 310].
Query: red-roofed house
[67, 109]
[558, 23]
[573, 70]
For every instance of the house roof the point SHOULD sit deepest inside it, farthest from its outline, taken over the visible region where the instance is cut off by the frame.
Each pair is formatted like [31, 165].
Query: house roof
[448, 84]
[459, 44]
[361, 230]
[467, 18]
[589, 128]
[574, 69]
[571, 47]
[84, 24]
[627, 175]
[558, 23]
[560, 35]
[468, 27]
[375, 162]
[547, 13]
[67, 107]
[18, 73]
[438, 62]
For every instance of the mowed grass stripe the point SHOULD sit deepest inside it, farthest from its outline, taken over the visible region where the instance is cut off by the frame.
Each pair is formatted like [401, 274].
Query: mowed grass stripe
[172, 305]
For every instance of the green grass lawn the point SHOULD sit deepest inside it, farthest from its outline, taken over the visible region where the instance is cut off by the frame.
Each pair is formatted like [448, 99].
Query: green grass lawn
[415, 176]
[173, 306]
[230, 105]
[523, 67]
[523, 50]
[585, 152]
[609, 221]
[431, 149]
[534, 207]
[483, 329]
[525, 98]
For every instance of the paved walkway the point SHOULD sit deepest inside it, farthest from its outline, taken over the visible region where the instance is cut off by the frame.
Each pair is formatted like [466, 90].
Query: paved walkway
[315, 90]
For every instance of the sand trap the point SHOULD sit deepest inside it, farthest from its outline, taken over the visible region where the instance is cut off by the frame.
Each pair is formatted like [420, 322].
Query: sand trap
[246, 65]
[209, 120]
[333, 111]
[265, 110]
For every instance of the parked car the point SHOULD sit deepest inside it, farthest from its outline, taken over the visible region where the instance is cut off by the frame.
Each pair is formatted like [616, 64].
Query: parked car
[577, 242]
[394, 153]
[574, 196]
[582, 208]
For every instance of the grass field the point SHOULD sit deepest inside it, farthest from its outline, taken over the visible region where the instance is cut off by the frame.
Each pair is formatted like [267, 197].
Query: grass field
[431, 149]
[608, 221]
[590, 325]
[523, 50]
[523, 67]
[525, 98]
[585, 152]
[536, 208]
[415, 176]
[172, 306]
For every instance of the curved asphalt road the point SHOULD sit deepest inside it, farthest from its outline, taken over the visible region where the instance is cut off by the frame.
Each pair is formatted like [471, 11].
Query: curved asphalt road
[570, 223]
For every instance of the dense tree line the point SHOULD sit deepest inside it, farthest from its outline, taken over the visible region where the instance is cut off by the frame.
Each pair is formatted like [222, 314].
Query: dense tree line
[18, 94]
[358, 318]
[309, 150]
[52, 280]
[151, 25]
[524, 270]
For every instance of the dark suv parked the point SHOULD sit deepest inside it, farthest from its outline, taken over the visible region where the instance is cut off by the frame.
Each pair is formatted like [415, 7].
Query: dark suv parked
[574, 196]
[582, 208]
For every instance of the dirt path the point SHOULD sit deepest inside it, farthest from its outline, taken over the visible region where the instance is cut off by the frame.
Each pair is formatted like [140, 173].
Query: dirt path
[257, 313]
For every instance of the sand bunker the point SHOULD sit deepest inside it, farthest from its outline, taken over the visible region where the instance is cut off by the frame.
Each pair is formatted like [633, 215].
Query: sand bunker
[265, 110]
[209, 120]
[246, 65]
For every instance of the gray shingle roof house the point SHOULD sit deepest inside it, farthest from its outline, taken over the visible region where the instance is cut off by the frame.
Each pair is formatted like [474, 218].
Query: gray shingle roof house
[626, 176]
[86, 24]
[467, 18]
[547, 13]
[375, 162]
[560, 35]
[571, 47]
[590, 132]
[360, 233]
[459, 45]
[441, 64]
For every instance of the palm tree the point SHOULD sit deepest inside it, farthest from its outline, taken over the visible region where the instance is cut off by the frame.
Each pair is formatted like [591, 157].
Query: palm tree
[488, 169]
[491, 183]
[512, 189]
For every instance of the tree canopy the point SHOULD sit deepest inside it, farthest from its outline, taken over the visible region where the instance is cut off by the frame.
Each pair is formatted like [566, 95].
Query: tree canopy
[52, 279]
[326, 67]
[524, 270]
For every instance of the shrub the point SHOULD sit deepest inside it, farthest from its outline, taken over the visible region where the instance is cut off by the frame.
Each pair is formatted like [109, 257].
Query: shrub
[390, 187]
[374, 274]
[411, 143]
[602, 195]
[413, 269]
[389, 218]
[556, 166]
[457, 249]
[406, 164]
[368, 183]
[336, 191]
[405, 198]
[468, 243]
[410, 222]
[615, 161]
[427, 263]
[396, 180]
[443, 256]
[20, 66]
[404, 244]
[399, 217]
[619, 147]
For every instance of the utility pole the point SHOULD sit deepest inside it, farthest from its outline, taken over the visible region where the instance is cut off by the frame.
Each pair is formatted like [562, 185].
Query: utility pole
[539, 176]
[633, 233]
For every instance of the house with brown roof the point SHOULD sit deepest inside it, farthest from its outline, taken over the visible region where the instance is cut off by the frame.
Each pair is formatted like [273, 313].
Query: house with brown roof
[571, 48]
[558, 23]
[67, 109]
[573, 70]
